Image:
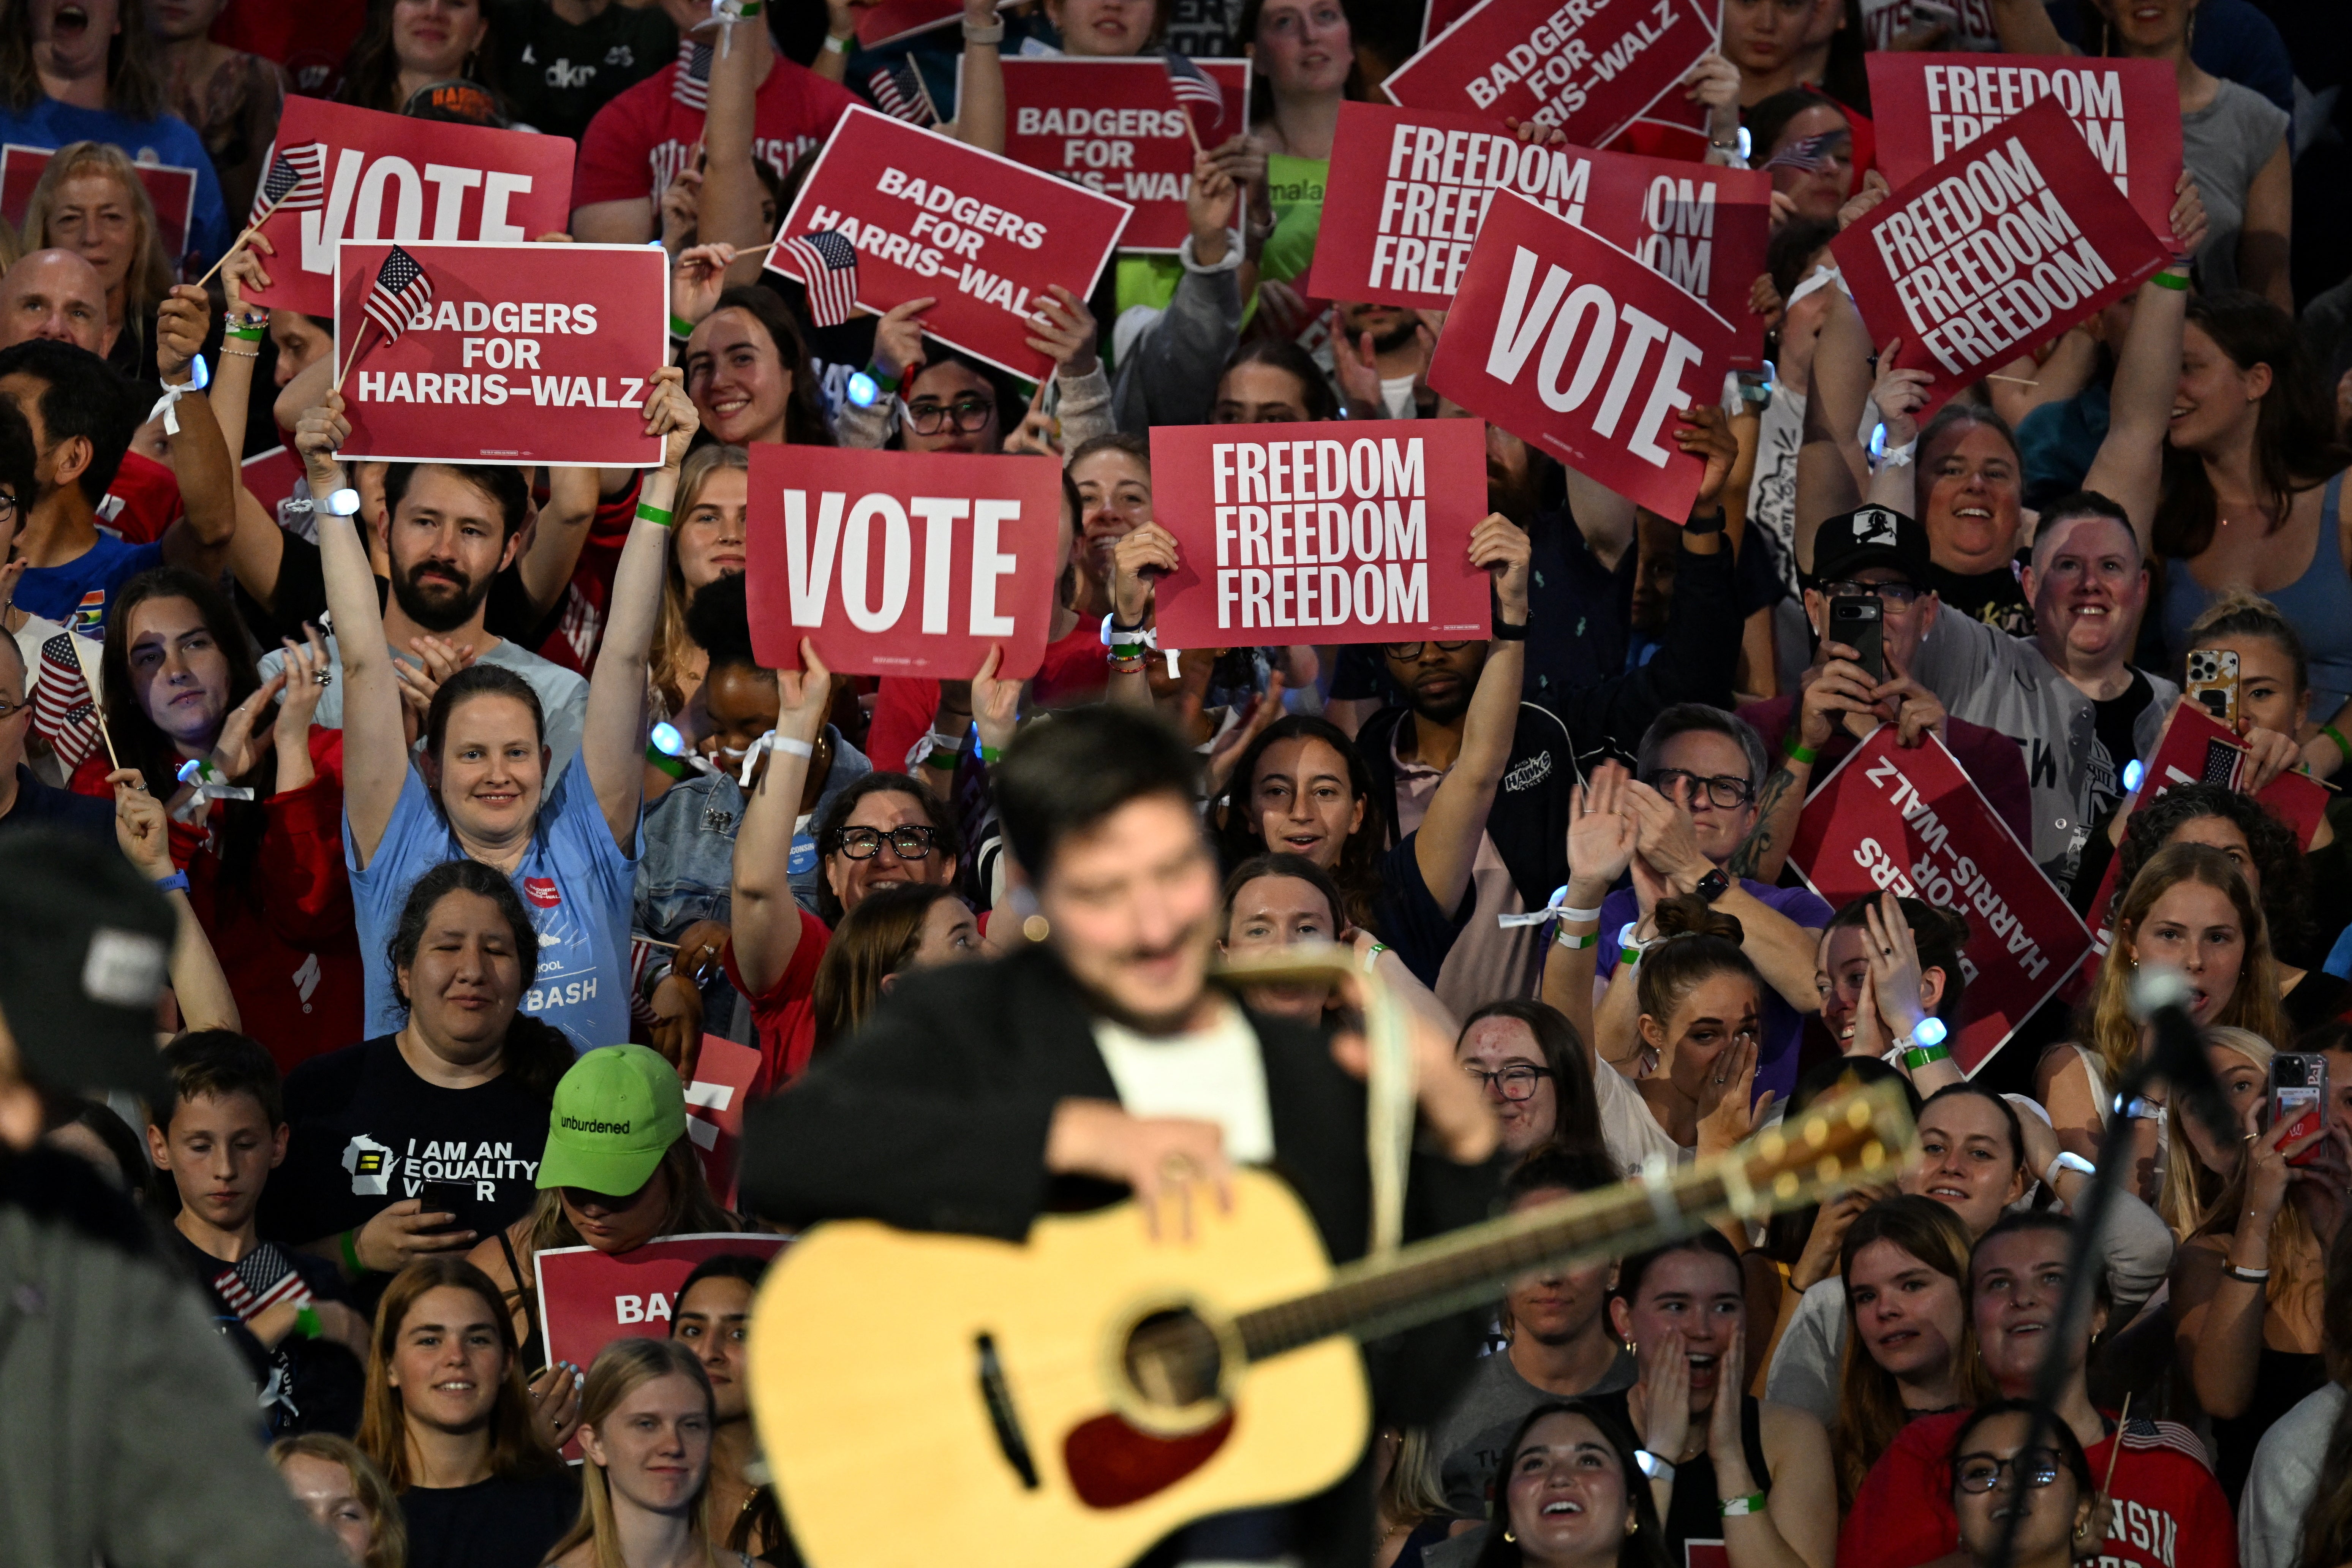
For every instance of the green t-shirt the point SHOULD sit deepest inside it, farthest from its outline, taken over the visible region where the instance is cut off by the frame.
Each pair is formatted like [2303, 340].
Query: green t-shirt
[1294, 187]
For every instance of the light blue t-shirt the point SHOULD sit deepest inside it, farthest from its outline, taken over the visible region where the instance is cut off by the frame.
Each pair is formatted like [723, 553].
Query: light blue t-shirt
[166, 138]
[573, 878]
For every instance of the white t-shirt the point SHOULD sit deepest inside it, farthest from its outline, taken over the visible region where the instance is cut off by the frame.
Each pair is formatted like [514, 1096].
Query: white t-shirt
[1629, 1129]
[1212, 1075]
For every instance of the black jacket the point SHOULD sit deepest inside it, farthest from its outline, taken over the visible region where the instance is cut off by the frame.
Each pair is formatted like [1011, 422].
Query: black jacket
[934, 1116]
[1528, 821]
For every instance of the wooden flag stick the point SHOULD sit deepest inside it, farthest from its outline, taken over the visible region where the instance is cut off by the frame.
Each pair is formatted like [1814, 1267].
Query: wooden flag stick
[97, 706]
[358, 338]
[251, 229]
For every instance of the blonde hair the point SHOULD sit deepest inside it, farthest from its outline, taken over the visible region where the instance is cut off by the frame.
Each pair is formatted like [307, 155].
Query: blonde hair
[1411, 1491]
[2109, 1028]
[387, 1532]
[150, 275]
[673, 649]
[2192, 1193]
[621, 1369]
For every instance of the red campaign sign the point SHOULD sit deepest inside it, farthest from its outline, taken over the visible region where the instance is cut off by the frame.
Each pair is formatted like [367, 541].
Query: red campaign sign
[1358, 530]
[902, 563]
[2195, 748]
[1931, 106]
[723, 1072]
[1115, 127]
[1409, 188]
[383, 177]
[933, 217]
[1589, 67]
[588, 1298]
[1912, 822]
[2004, 245]
[546, 351]
[172, 189]
[1591, 373]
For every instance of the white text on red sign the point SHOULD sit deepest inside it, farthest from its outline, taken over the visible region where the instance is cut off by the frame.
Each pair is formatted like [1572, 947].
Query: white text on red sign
[1966, 101]
[1943, 874]
[849, 537]
[1286, 532]
[1552, 63]
[944, 230]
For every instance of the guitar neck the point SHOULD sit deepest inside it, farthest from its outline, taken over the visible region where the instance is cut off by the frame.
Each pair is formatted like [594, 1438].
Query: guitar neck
[1465, 1268]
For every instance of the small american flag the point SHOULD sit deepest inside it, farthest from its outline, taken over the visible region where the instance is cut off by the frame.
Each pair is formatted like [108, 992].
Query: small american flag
[901, 94]
[828, 265]
[1807, 154]
[691, 86]
[401, 290]
[63, 713]
[1194, 86]
[261, 1280]
[296, 181]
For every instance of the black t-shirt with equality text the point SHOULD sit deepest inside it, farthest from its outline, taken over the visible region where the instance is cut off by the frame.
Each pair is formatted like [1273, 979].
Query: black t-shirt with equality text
[368, 1132]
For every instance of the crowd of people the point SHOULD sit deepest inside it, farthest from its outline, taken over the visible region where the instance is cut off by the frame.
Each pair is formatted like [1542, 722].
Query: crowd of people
[383, 846]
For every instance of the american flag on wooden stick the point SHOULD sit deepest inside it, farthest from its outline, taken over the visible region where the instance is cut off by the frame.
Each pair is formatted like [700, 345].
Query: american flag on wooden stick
[261, 1280]
[63, 713]
[691, 86]
[900, 93]
[1808, 153]
[296, 181]
[401, 290]
[1194, 86]
[828, 265]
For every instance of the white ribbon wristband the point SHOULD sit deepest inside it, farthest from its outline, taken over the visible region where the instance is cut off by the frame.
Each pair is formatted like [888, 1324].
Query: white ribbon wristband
[1556, 910]
[768, 742]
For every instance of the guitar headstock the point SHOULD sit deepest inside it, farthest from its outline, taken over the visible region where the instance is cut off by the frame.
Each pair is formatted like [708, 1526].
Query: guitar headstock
[1860, 1136]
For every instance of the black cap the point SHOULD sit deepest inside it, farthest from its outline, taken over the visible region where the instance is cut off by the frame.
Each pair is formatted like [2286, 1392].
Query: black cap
[1871, 536]
[456, 100]
[87, 952]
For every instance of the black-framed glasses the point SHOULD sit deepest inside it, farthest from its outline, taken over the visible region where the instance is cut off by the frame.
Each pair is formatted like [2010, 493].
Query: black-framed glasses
[1722, 790]
[1406, 652]
[1980, 1473]
[7, 503]
[10, 710]
[1514, 1083]
[910, 841]
[1901, 596]
[969, 413]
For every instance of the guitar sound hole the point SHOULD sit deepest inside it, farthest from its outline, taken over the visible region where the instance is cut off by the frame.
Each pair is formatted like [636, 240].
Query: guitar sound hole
[1173, 1359]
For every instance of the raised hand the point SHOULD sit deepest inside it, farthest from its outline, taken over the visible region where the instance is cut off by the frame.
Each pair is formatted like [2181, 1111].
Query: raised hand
[1501, 547]
[2188, 220]
[671, 413]
[1137, 562]
[899, 338]
[995, 703]
[1600, 835]
[316, 436]
[181, 320]
[242, 738]
[1705, 434]
[803, 697]
[1900, 394]
[1065, 331]
[698, 277]
[142, 830]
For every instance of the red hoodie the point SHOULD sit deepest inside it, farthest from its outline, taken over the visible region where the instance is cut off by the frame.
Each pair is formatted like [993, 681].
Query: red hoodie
[2169, 1510]
[285, 939]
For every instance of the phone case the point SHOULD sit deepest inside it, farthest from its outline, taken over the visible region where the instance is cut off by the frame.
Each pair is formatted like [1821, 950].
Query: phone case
[2214, 683]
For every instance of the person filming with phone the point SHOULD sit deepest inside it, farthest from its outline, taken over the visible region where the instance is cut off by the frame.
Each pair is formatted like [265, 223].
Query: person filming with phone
[1870, 610]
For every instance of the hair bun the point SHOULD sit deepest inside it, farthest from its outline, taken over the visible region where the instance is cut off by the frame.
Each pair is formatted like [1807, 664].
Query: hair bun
[1687, 914]
[1937, 925]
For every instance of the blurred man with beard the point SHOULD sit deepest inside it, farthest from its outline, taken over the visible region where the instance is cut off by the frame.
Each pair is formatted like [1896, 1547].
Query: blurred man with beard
[449, 531]
[1379, 356]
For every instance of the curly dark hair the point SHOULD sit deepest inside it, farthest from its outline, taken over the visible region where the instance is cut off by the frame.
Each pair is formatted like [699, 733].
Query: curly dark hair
[947, 840]
[2279, 870]
[1940, 933]
[1236, 819]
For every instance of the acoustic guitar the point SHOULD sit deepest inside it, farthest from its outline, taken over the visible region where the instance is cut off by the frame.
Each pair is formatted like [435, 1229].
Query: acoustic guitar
[927, 1399]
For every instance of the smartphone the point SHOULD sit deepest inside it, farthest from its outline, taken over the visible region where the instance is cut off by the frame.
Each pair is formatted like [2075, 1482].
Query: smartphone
[2298, 1098]
[1856, 621]
[445, 1197]
[2214, 683]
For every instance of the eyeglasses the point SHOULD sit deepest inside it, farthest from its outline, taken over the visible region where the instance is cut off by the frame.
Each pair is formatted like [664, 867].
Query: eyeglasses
[1406, 652]
[1902, 596]
[2035, 1468]
[10, 710]
[1723, 791]
[1514, 1083]
[911, 841]
[970, 414]
[7, 504]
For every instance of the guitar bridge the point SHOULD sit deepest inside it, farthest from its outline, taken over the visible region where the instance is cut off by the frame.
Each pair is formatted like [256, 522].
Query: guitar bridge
[1001, 1414]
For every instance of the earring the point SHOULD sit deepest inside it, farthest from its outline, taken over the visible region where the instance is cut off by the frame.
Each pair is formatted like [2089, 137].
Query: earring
[1036, 928]
[1632, 1525]
[1509, 1537]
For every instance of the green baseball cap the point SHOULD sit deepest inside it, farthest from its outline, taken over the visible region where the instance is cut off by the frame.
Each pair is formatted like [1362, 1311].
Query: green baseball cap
[616, 1112]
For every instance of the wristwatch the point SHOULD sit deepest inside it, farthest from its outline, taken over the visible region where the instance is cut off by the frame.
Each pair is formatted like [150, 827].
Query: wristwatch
[1714, 885]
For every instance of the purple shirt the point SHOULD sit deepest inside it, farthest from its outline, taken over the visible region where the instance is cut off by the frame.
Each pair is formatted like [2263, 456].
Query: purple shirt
[1776, 1066]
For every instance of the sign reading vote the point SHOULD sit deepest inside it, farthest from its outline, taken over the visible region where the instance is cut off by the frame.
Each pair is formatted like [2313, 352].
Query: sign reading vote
[524, 353]
[1572, 344]
[1589, 67]
[1912, 822]
[390, 177]
[932, 217]
[1932, 106]
[1115, 126]
[1410, 188]
[902, 563]
[1358, 531]
[2007, 243]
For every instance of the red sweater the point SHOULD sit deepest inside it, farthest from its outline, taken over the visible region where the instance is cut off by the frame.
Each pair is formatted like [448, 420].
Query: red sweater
[1074, 670]
[783, 1015]
[285, 938]
[2168, 1513]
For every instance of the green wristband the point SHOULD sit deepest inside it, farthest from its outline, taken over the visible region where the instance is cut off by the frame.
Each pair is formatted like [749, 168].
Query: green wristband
[244, 335]
[1918, 1056]
[1798, 751]
[989, 754]
[2167, 278]
[305, 1322]
[1741, 1507]
[1578, 944]
[2343, 746]
[680, 327]
[940, 757]
[648, 512]
[351, 1254]
[675, 767]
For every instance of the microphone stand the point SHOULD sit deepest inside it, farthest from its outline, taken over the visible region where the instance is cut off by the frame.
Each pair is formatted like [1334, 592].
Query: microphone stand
[2177, 1058]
